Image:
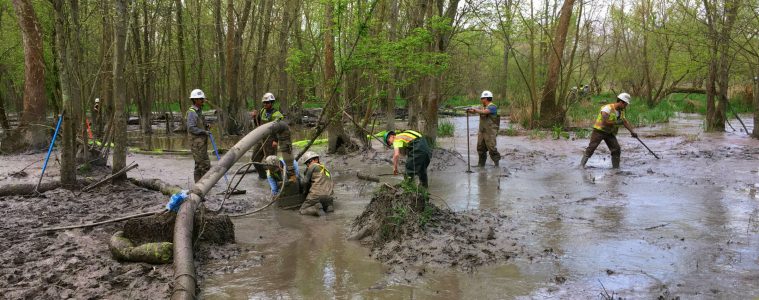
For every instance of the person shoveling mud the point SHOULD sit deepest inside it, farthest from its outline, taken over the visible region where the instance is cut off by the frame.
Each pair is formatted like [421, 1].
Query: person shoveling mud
[403, 228]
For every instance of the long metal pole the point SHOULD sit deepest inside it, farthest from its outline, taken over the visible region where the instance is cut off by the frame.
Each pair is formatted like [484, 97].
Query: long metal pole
[468, 153]
[649, 149]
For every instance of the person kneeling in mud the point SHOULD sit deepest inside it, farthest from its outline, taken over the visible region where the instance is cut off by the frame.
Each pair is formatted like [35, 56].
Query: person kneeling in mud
[275, 169]
[317, 186]
[417, 150]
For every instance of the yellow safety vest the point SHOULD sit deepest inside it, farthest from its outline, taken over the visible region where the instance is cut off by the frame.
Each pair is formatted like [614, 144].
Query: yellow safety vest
[275, 116]
[404, 138]
[613, 129]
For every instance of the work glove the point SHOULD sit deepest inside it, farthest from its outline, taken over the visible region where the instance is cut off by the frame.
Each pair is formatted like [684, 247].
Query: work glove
[635, 135]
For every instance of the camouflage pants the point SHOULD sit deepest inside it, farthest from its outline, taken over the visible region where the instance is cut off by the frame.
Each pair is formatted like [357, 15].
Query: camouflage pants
[199, 148]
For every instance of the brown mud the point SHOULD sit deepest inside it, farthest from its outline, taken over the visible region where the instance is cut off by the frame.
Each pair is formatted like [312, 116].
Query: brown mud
[683, 226]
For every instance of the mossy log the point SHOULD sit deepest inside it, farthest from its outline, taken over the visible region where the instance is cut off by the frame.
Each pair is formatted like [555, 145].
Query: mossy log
[123, 249]
[27, 188]
[157, 185]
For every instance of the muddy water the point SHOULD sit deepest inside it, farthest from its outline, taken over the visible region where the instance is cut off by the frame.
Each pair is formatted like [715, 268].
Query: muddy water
[685, 225]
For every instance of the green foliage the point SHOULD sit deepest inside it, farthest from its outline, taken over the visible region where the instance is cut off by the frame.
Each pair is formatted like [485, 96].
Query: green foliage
[537, 134]
[558, 132]
[510, 131]
[445, 129]
[582, 133]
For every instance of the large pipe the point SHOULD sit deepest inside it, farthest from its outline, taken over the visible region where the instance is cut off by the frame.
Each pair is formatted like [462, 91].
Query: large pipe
[185, 283]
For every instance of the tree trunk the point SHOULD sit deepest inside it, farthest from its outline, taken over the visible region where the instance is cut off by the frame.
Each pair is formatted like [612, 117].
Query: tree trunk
[392, 89]
[755, 132]
[119, 87]
[68, 136]
[35, 102]
[221, 78]
[335, 133]
[106, 80]
[233, 103]
[183, 91]
[551, 108]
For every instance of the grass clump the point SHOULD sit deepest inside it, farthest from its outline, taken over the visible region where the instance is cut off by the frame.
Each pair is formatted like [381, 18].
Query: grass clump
[445, 129]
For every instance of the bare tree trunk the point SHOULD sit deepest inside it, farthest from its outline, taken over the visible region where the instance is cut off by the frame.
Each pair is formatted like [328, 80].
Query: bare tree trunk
[284, 33]
[551, 108]
[182, 69]
[755, 132]
[106, 80]
[35, 102]
[68, 136]
[335, 132]
[119, 87]
[392, 89]
[233, 104]
[221, 77]
[718, 83]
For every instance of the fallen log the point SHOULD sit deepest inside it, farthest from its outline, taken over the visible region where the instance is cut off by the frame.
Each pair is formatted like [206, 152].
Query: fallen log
[23, 189]
[123, 249]
[367, 177]
[157, 185]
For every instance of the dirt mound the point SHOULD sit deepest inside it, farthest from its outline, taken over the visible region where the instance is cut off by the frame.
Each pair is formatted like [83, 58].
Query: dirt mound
[404, 231]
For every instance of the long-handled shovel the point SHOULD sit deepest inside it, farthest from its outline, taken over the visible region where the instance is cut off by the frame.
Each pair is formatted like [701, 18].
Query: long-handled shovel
[649, 149]
[468, 154]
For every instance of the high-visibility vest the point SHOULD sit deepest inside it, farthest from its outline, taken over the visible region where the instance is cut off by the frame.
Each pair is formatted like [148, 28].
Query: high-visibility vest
[613, 129]
[275, 116]
[407, 136]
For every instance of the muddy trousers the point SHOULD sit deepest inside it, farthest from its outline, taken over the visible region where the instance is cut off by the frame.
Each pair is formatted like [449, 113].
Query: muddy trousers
[199, 148]
[419, 154]
[317, 205]
[486, 144]
[260, 151]
[611, 141]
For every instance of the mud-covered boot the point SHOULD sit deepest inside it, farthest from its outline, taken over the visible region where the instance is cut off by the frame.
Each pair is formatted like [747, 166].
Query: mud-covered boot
[615, 162]
[313, 210]
[495, 162]
[584, 161]
[481, 161]
[330, 208]
[261, 171]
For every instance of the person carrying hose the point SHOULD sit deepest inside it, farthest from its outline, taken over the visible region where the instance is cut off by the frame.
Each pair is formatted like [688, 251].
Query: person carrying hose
[418, 152]
[486, 136]
[609, 118]
[268, 146]
[197, 129]
[317, 186]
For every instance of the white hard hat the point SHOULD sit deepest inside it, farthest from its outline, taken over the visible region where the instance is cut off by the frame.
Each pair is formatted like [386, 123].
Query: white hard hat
[486, 94]
[624, 97]
[197, 94]
[97, 100]
[268, 97]
[272, 160]
[309, 155]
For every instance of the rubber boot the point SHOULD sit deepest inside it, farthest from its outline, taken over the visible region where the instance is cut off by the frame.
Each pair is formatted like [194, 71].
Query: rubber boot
[481, 161]
[615, 162]
[495, 162]
[330, 208]
[583, 161]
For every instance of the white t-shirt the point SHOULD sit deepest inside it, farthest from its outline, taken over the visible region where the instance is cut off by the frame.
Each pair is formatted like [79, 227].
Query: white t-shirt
[607, 109]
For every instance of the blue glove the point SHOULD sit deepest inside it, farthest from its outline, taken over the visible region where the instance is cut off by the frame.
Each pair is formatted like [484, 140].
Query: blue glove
[176, 201]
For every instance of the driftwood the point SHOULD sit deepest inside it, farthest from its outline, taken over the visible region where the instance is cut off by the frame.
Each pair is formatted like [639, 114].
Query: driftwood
[157, 185]
[27, 188]
[367, 177]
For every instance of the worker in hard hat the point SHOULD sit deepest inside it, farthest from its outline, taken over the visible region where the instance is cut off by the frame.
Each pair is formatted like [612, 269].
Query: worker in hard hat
[275, 170]
[609, 118]
[417, 150]
[266, 147]
[197, 129]
[486, 136]
[317, 186]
